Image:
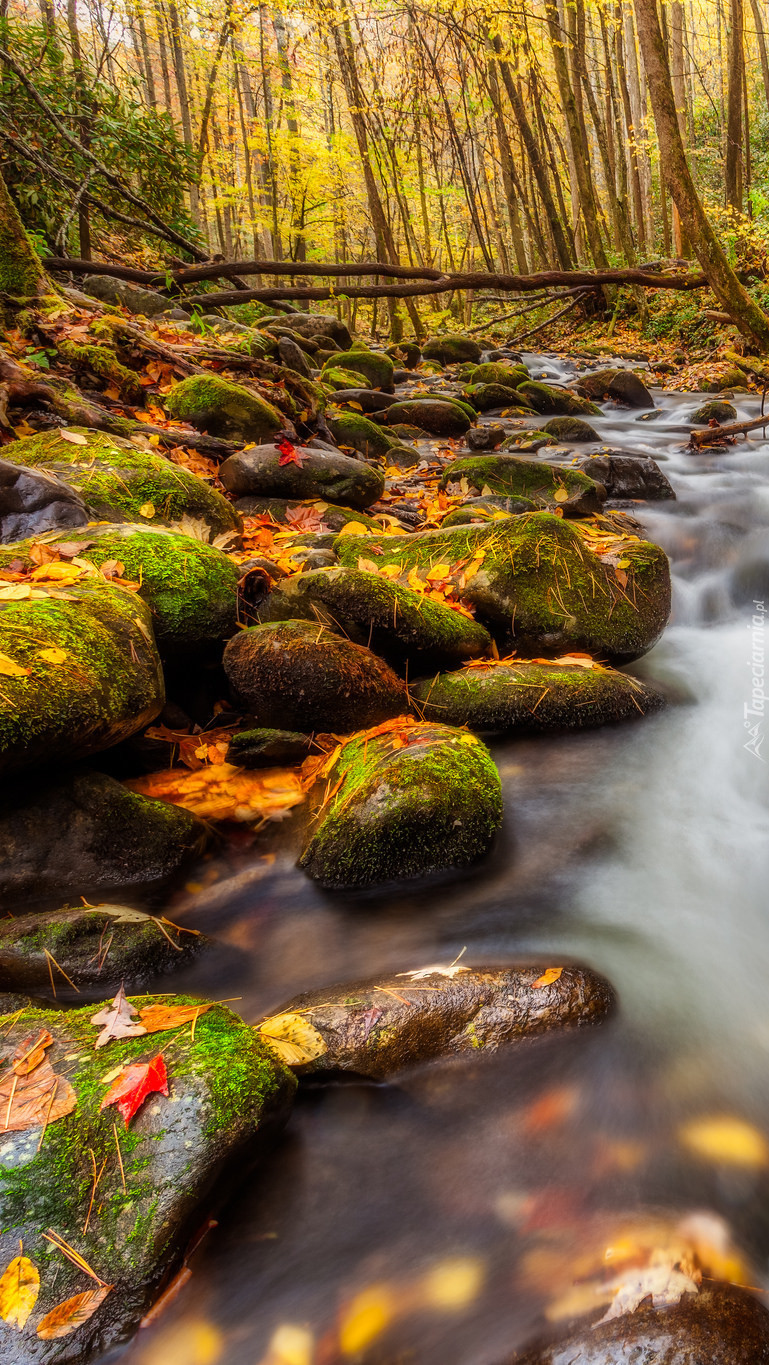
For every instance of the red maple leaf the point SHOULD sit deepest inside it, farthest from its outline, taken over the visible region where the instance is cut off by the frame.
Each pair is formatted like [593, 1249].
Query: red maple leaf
[289, 454]
[131, 1089]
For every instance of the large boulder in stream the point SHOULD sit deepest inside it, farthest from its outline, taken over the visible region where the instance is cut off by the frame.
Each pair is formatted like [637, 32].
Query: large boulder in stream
[215, 1097]
[409, 799]
[451, 350]
[536, 577]
[304, 676]
[33, 501]
[546, 484]
[84, 834]
[529, 698]
[554, 402]
[718, 1325]
[264, 473]
[223, 409]
[396, 622]
[436, 416]
[628, 476]
[381, 1027]
[79, 670]
[118, 481]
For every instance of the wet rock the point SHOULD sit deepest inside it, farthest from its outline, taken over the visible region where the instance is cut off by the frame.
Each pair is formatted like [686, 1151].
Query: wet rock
[434, 415]
[268, 748]
[715, 411]
[628, 476]
[536, 577]
[417, 799]
[570, 430]
[451, 350]
[595, 384]
[528, 440]
[406, 432]
[549, 401]
[484, 397]
[403, 456]
[376, 369]
[405, 353]
[523, 697]
[222, 408]
[85, 834]
[546, 484]
[34, 501]
[317, 325]
[190, 588]
[499, 372]
[142, 302]
[626, 387]
[380, 1027]
[119, 482]
[94, 946]
[337, 477]
[278, 508]
[306, 677]
[487, 437]
[319, 559]
[81, 673]
[356, 431]
[293, 357]
[488, 509]
[398, 623]
[721, 1325]
[227, 1097]
[368, 400]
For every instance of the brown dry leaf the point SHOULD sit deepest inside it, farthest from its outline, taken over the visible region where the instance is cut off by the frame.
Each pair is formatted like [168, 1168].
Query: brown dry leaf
[117, 1021]
[367, 565]
[293, 1038]
[73, 437]
[31, 1053]
[158, 1018]
[10, 669]
[19, 1288]
[36, 1099]
[547, 978]
[223, 792]
[66, 1317]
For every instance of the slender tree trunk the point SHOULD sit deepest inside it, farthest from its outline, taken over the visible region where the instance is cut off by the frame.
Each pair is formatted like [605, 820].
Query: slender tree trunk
[735, 71]
[21, 274]
[761, 39]
[83, 122]
[182, 88]
[582, 168]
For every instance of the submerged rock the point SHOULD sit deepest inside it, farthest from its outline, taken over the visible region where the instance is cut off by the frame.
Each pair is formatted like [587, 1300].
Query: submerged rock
[304, 676]
[546, 484]
[395, 621]
[222, 408]
[720, 1325]
[34, 501]
[85, 834]
[533, 697]
[434, 415]
[549, 401]
[222, 1096]
[451, 350]
[628, 476]
[80, 672]
[120, 482]
[528, 440]
[487, 437]
[380, 1027]
[265, 748]
[89, 946]
[320, 474]
[717, 410]
[536, 577]
[409, 799]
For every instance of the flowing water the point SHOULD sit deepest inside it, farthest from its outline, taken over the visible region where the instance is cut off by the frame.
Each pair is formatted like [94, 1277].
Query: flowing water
[460, 1199]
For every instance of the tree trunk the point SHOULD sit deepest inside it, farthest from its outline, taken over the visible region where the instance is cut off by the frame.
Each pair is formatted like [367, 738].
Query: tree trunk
[21, 274]
[751, 320]
[761, 37]
[735, 70]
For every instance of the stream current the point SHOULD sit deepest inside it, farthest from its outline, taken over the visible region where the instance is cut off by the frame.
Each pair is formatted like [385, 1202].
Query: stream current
[461, 1198]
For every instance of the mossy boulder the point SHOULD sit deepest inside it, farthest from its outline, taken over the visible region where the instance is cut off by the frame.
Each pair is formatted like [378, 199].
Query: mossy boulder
[536, 578]
[364, 400]
[570, 430]
[84, 834]
[595, 384]
[304, 677]
[628, 476]
[717, 410]
[330, 476]
[529, 698]
[451, 350]
[377, 369]
[80, 672]
[191, 588]
[552, 402]
[405, 353]
[222, 408]
[118, 481]
[490, 508]
[436, 416]
[96, 946]
[33, 501]
[418, 799]
[355, 430]
[500, 372]
[265, 748]
[484, 397]
[334, 377]
[395, 621]
[529, 440]
[227, 1097]
[380, 1027]
[330, 516]
[546, 484]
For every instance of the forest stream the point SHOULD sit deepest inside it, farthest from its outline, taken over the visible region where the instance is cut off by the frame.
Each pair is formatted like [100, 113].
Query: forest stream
[444, 1212]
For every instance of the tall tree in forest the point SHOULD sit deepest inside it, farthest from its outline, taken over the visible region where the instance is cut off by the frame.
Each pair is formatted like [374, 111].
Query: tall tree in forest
[751, 320]
[21, 274]
[733, 176]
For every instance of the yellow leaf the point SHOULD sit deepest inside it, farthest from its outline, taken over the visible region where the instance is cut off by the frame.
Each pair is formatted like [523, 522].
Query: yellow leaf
[561, 495]
[453, 1284]
[293, 1038]
[53, 656]
[487, 492]
[60, 573]
[10, 669]
[547, 978]
[356, 406]
[414, 581]
[14, 592]
[68, 1316]
[437, 572]
[19, 1288]
[365, 1318]
[355, 528]
[727, 1141]
[147, 510]
[467, 739]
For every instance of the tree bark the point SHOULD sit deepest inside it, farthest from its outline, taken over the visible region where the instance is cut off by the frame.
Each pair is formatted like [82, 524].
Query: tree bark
[21, 272]
[733, 170]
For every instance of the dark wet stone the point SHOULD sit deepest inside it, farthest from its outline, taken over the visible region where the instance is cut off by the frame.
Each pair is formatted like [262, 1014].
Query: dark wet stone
[595, 384]
[486, 437]
[451, 350]
[85, 834]
[368, 400]
[433, 415]
[715, 411]
[317, 325]
[380, 1027]
[228, 1097]
[292, 356]
[414, 800]
[524, 441]
[305, 677]
[529, 698]
[332, 517]
[96, 946]
[268, 748]
[721, 1325]
[33, 501]
[626, 387]
[551, 401]
[570, 429]
[331, 477]
[628, 476]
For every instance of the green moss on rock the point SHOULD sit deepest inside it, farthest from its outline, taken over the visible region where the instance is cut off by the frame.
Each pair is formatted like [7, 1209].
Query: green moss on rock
[451, 350]
[550, 401]
[570, 429]
[101, 361]
[500, 372]
[484, 397]
[222, 408]
[359, 432]
[376, 369]
[438, 416]
[546, 484]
